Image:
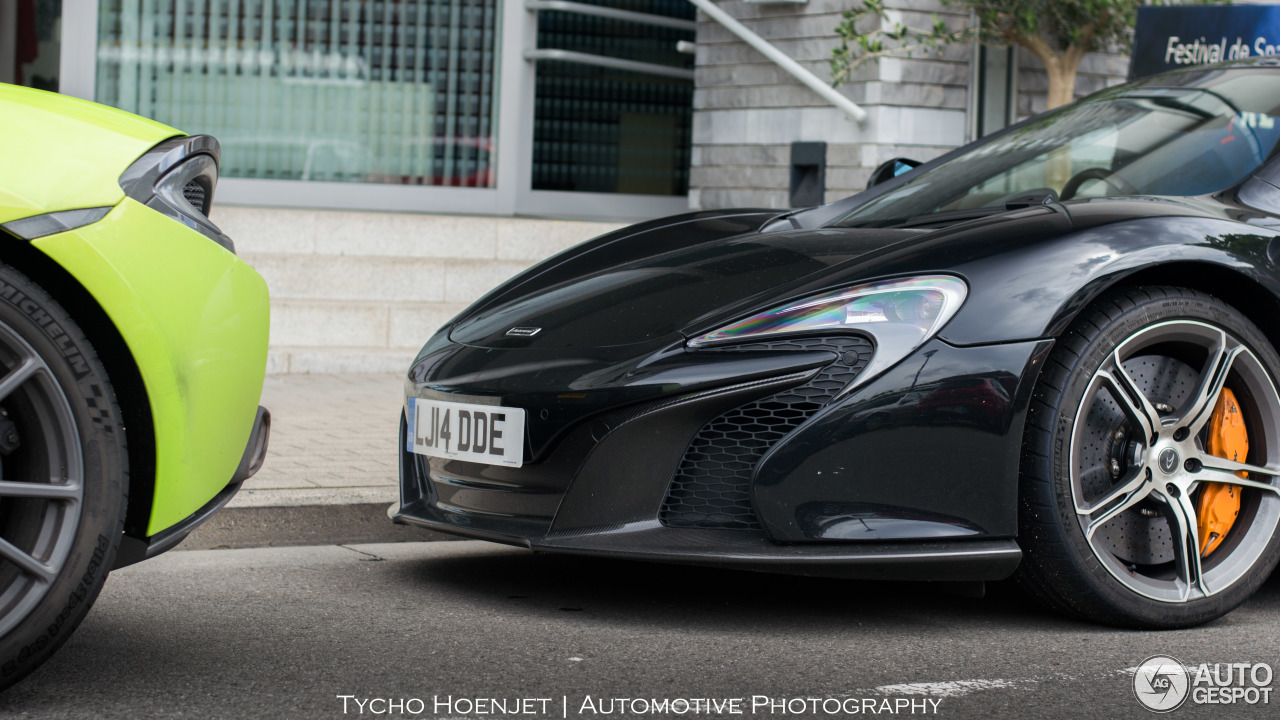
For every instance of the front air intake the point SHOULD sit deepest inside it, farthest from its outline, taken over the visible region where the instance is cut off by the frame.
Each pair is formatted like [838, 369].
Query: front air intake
[196, 194]
[711, 488]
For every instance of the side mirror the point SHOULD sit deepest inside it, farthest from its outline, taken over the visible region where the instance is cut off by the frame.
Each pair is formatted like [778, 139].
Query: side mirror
[891, 170]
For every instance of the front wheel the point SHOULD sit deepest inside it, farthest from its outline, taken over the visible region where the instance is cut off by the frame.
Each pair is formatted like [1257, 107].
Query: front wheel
[63, 476]
[1150, 489]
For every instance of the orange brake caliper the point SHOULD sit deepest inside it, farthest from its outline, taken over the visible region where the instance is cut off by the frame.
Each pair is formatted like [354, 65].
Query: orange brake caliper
[1220, 502]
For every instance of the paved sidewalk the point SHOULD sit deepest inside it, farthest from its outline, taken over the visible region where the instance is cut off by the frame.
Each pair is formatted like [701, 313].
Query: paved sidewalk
[331, 470]
[333, 441]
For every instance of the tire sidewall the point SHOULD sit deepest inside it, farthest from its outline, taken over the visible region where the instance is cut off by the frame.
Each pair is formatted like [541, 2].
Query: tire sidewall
[51, 332]
[1185, 305]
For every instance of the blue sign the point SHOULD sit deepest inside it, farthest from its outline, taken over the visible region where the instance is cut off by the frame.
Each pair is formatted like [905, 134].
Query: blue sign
[1167, 38]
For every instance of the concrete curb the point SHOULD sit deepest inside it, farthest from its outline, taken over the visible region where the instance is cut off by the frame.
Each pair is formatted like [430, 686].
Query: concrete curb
[248, 527]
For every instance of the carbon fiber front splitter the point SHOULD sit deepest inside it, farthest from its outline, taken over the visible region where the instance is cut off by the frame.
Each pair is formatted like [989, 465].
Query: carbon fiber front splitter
[957, 560]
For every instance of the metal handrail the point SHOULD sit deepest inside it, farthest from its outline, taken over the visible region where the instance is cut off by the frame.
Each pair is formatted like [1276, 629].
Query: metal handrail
[608, 62]
[611, 13]
[810, 80]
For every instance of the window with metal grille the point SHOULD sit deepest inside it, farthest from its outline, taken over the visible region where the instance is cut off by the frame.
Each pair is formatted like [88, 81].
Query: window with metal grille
[603, 130]
[376, 91]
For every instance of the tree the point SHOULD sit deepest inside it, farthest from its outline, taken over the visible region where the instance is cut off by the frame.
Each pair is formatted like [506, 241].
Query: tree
[1058, 32]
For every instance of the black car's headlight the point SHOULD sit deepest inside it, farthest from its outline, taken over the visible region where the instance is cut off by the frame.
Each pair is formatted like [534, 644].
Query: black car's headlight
[900, 315]
[177, 178]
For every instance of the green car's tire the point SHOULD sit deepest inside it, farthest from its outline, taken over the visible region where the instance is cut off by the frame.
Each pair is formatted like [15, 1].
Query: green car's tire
[63, 475]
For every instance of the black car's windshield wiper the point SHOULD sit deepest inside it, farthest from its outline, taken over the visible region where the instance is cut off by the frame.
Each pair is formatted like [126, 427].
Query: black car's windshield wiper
[936, 219]
[1016, 201]
[948, 218]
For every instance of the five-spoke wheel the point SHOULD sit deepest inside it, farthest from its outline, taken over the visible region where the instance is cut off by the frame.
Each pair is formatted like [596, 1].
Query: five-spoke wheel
[1143, 526]
[1123, 474]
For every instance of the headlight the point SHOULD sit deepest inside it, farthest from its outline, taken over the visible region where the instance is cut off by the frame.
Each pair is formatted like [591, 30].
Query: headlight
[38, 226]
[177, 178]
[900, 315]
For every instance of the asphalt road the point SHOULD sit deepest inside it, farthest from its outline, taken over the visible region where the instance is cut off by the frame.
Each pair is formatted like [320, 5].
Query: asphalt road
[283, 632]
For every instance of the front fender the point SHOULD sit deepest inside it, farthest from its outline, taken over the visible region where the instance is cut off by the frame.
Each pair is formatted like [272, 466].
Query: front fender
[1035, 291]
[929, 450]
[195, 320]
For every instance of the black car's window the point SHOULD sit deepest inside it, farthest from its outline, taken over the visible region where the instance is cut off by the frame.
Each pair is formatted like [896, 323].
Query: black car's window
[1137, 140]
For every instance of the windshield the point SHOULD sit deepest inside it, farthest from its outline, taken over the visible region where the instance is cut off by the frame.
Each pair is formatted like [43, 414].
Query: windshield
[1135, 140]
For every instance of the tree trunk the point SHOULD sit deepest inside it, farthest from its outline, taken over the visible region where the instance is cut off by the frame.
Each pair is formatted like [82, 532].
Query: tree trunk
[1062, 87]
[1062, 80]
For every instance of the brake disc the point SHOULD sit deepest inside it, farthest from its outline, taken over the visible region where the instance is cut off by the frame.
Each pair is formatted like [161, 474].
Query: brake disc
[1140, 535]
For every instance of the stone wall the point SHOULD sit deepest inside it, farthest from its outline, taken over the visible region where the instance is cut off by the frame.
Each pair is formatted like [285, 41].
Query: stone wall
[748, 110]
[361, 292]
[1097, 72]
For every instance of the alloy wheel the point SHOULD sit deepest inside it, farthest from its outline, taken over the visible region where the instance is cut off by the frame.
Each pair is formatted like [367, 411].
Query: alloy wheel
[1139, 460]
[41, 478]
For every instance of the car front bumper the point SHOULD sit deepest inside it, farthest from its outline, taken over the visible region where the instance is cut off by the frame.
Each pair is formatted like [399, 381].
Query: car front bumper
[195, 319]
[911, 476]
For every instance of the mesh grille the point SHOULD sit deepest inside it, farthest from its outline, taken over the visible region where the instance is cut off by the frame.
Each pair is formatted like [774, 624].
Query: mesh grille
[194, 193]
[711, 488]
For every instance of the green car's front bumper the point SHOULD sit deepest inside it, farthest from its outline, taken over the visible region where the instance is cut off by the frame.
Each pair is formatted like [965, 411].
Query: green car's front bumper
[192, 317]
[195, 319]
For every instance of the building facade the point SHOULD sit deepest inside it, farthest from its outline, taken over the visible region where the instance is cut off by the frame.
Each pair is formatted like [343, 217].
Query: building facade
[385, 162]
[748, 112]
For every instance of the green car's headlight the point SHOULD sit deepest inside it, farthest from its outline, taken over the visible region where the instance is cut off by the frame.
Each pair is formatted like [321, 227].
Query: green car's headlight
[177, 178]
[900, 315]
[38, 226]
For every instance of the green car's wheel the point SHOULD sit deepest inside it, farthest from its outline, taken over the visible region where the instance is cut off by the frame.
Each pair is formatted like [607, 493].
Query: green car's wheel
[63, 470]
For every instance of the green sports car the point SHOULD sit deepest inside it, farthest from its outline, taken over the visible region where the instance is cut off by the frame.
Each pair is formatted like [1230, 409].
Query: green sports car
[133, 344]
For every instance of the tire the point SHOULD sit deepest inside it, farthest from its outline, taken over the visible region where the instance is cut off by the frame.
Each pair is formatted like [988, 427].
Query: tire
[63, 492]
[1114, 462]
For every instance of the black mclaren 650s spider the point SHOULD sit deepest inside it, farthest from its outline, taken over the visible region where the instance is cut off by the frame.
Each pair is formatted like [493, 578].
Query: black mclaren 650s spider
[1050, 353]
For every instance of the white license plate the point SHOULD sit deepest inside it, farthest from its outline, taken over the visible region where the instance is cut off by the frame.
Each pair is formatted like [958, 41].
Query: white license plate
[460, 431]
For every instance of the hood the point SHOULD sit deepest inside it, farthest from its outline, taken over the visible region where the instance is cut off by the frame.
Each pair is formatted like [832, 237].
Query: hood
[62, 153]
[665, 282]
[643, 300]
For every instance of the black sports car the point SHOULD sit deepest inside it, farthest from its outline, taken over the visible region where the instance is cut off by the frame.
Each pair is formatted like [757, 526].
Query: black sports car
[1051, 352]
